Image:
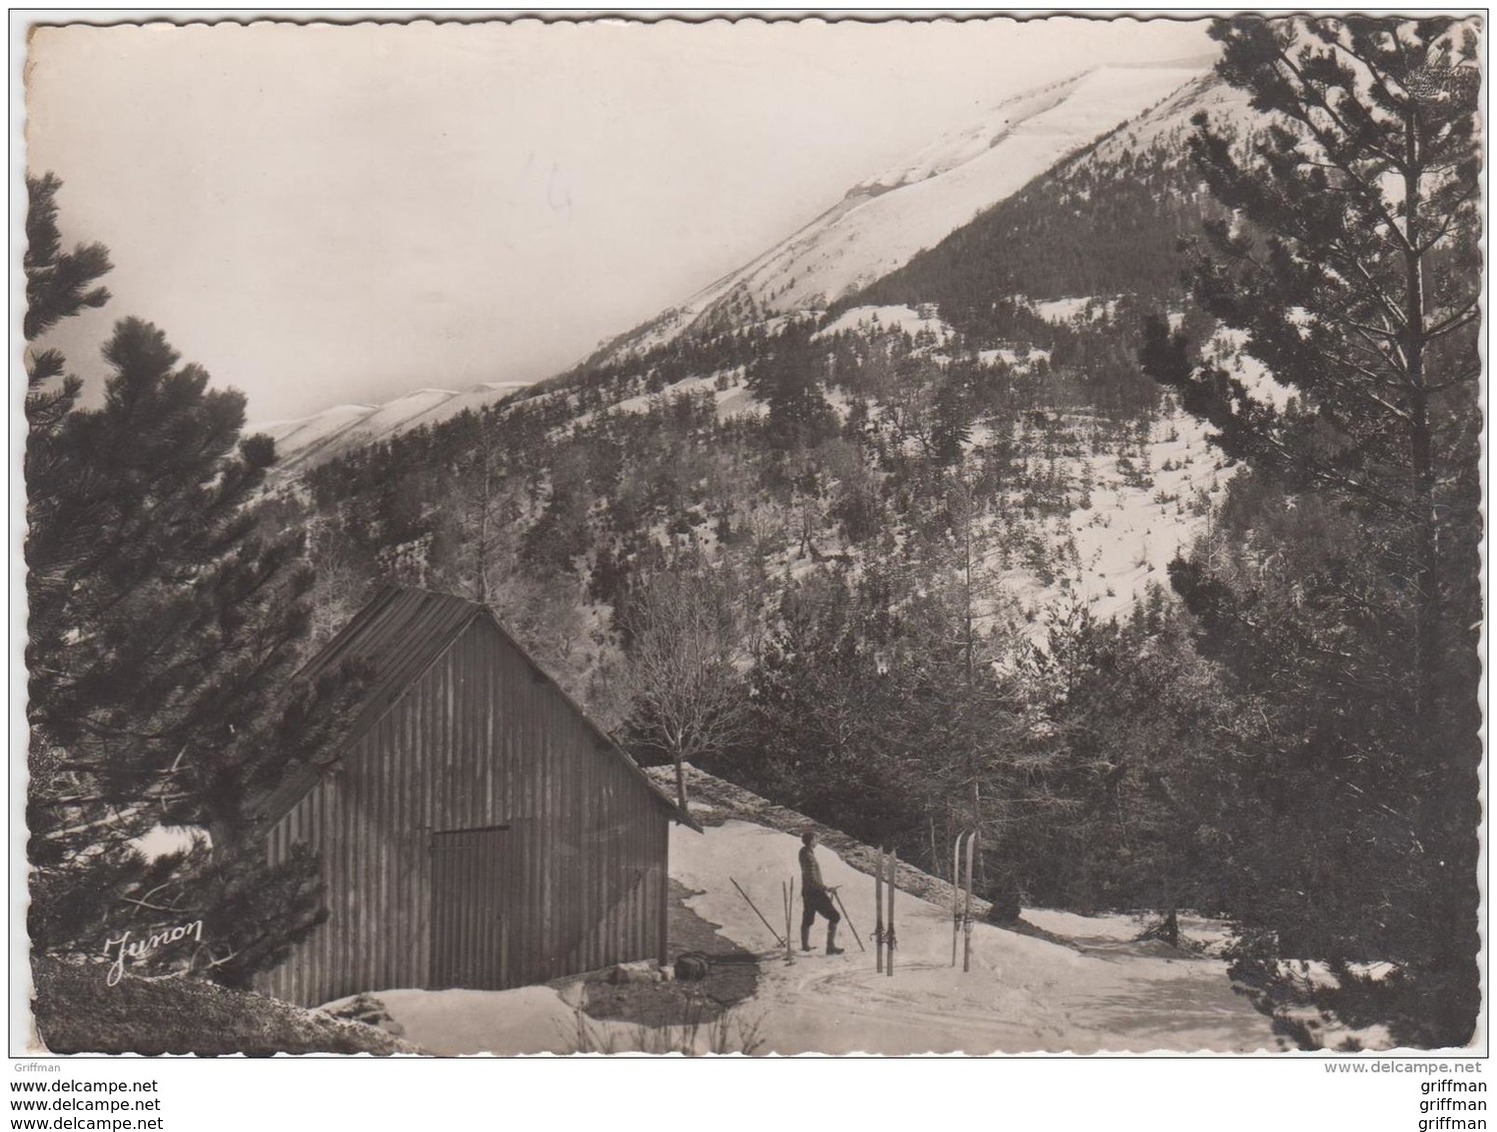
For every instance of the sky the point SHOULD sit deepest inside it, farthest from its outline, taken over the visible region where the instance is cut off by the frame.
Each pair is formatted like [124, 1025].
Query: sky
[327, 214]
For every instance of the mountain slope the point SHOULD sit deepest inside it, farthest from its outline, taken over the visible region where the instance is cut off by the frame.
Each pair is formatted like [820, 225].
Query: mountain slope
[881, 223]
[1016, 334]
[887, 218]
[1104, 223]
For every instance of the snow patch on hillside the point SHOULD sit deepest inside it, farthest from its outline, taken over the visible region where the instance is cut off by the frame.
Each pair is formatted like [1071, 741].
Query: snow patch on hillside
[393, 414]
[1225, 349]
[901, 318]
[304, 432]
[1139, 521]
[963, 145]
[1010, 356]
[1070, 310]
[1171, 119]
[1137, 515]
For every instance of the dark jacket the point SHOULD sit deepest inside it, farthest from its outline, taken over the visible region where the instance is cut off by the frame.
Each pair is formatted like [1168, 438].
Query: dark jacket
[810, 872]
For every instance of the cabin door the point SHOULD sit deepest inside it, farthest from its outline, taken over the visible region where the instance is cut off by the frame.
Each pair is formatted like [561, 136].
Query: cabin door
[469, 929]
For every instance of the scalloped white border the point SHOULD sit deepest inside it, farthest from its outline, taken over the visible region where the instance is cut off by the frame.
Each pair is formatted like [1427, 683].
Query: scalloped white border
[1141, 1090]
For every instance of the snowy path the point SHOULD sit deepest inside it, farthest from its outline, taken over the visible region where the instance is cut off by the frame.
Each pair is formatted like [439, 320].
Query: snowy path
[1022, 994]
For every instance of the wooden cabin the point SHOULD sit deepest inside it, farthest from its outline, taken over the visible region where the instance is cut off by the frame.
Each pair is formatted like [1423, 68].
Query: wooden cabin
[475, 828]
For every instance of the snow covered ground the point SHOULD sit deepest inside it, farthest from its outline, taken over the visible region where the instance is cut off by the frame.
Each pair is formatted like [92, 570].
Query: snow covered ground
[1023, 994]
[733, 400]
[902, 318]
[1070, 310]
[1129, 530]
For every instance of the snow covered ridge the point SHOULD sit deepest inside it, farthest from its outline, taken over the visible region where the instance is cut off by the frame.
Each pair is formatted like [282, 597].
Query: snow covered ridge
[887, 218]
[953, 149]
[306, 441]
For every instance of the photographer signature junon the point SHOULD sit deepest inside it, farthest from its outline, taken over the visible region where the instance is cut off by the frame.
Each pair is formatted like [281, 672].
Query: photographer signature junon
[140, 948]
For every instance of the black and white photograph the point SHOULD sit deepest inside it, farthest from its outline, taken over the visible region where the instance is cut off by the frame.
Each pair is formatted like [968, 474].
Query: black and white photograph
[681, 535]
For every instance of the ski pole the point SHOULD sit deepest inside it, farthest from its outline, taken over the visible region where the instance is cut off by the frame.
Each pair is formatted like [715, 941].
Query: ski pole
[878, 906]
[891, 941]
[758, 913]
[837, 896]
[785, 895]
[789, 905]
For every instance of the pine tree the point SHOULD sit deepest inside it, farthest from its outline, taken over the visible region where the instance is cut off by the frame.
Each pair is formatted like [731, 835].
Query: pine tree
[1150, 747]
[164, 624]
[821, 709]
[1352, 273]
[788, 379]
[59, 285]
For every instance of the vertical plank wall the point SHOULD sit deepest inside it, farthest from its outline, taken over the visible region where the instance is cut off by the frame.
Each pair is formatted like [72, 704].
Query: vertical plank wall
[481, 739]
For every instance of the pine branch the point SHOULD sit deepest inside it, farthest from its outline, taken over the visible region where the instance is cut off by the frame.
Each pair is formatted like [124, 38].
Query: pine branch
[1464, 315]
[1328, 145]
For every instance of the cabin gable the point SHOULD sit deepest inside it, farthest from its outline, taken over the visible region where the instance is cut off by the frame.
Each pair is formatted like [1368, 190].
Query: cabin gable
[478, 831]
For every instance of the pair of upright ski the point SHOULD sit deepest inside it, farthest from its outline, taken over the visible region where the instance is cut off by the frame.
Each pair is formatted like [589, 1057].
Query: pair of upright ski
[883, 933]
[962, 853]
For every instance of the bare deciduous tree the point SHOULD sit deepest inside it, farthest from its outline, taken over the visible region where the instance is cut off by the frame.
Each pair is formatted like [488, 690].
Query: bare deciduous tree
[686, 645]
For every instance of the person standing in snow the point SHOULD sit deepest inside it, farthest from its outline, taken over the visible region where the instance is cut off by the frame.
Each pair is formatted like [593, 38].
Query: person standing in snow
[815, 897]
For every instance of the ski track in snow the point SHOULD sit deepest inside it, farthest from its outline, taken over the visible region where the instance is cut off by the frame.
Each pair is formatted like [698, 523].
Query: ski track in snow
[1022, 995]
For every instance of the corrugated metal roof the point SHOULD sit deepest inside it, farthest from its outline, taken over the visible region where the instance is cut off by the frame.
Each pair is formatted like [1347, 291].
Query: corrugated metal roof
[394, 639]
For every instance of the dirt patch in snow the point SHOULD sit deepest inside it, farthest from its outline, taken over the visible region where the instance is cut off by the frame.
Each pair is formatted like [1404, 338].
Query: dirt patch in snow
[732, 978]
